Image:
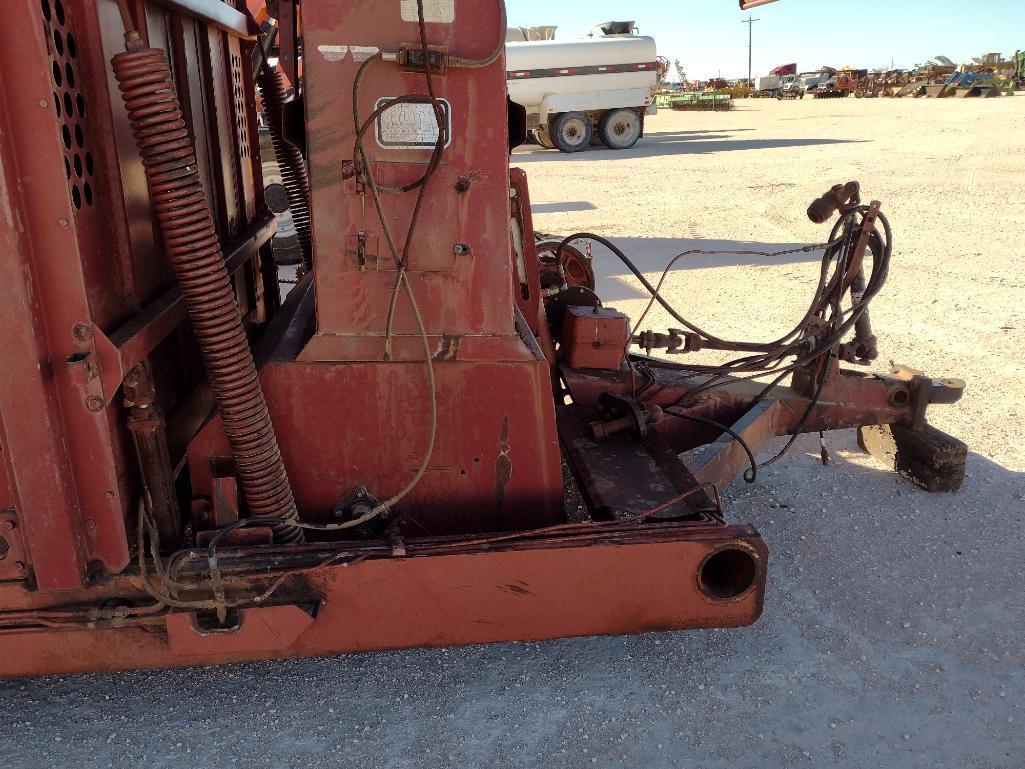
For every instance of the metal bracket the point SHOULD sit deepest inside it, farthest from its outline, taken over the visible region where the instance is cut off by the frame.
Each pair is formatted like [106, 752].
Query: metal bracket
[95, 368]
[13, 561]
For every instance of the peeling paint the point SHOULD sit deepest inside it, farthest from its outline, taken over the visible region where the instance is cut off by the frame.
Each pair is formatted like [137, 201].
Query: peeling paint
[503, 464]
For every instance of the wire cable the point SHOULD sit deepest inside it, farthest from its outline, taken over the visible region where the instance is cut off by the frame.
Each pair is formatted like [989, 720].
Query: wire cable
[402, 259]
[751, 474]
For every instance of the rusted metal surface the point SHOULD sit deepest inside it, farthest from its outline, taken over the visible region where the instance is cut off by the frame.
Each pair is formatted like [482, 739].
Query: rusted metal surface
[848, 399]
[155, 322]
[477, 547]
[627, 478]
[14, 559]
[460, 295]
[81, 259]
[495, 463]
[218, 15]
[53, 437]
[721, 461]
[442, 594]
[187, 227]
[149, 433]
[594, 337]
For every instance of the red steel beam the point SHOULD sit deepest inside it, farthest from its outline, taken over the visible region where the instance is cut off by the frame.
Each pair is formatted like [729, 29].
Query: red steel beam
[637, 579]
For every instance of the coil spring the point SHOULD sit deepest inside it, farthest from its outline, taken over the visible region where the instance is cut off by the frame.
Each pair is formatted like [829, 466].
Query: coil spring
[190, 240]
[294, 178]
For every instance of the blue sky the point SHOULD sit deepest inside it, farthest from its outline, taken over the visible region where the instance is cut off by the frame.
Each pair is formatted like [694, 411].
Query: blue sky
[708, 38]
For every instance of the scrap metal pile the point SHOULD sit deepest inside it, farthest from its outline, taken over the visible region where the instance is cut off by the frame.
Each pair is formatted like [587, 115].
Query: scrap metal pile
[193, 470]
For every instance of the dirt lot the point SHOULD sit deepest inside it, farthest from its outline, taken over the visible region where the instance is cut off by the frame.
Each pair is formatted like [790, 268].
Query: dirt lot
[892, 633]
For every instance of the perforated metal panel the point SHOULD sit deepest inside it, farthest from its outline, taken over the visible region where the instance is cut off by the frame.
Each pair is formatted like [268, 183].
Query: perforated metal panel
[241, 117]
[69, 102]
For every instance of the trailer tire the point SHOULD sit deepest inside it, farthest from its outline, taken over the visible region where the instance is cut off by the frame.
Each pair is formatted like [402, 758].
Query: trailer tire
[571, 132]
[859, 94]
[620, 129]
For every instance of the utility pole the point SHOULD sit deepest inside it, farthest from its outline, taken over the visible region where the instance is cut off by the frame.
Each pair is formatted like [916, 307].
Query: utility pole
[750, 36]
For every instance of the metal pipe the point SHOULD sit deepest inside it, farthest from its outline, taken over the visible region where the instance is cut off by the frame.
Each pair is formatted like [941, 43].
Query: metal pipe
[149, 433]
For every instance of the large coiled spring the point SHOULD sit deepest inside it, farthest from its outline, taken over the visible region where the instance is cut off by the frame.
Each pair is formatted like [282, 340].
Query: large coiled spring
[190, 240]
[294, 177]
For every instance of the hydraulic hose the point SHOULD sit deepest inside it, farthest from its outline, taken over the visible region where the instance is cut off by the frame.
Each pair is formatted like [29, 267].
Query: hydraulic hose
[294, 177]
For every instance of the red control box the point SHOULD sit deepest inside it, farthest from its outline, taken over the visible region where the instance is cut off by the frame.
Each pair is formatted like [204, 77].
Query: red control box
[594, 337]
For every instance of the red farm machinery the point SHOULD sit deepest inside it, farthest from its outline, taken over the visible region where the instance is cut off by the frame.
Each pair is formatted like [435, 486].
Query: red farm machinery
[196, 470]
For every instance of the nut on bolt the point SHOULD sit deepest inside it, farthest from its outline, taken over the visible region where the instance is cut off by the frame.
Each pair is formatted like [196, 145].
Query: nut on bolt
[82, 332]
[94, 403]
[461, 249]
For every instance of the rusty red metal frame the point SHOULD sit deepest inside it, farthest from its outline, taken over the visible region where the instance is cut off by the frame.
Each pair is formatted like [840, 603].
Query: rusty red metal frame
[440, 593]
[481, 548]
[848, 399]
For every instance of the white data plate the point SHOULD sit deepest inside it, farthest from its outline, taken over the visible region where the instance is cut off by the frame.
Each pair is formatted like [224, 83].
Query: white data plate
[411, 126]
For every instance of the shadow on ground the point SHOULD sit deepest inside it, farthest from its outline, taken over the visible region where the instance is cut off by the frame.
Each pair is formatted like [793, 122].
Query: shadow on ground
[562, 208]
[674, 143]
[651, 255]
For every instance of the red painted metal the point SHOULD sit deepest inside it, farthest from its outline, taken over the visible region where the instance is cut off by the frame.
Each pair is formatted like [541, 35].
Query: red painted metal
[614, 580]
[80, 258]
[187, 228]
[496, 463]
[479, 549]
[526, 276]
[594, 337]
[461, 294]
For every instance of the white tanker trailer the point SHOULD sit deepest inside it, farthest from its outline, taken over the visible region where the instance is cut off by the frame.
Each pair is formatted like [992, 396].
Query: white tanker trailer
[578, 92]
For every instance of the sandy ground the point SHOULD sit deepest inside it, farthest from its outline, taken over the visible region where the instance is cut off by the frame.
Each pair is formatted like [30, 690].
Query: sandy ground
[893, 627]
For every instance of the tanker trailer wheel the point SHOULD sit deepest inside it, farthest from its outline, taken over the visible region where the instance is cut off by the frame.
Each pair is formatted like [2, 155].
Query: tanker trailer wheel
[571, 132]
[620, 129]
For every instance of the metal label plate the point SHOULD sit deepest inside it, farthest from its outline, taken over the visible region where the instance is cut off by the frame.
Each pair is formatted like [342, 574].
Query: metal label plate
[437, 11]
[411, 126]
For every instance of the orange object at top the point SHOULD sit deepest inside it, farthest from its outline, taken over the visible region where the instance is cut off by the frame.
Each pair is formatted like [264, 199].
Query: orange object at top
[258, 10]
[747, 4]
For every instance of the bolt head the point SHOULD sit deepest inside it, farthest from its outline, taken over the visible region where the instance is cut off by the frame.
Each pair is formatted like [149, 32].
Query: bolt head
[94, 404]
[9, 525]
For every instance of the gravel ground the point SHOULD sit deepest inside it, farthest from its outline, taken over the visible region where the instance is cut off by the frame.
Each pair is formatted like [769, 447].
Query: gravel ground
[893, 626]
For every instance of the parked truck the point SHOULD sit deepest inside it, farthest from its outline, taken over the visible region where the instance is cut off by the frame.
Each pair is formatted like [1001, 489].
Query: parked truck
[768, 85]
[579, 92]
[805, 82]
